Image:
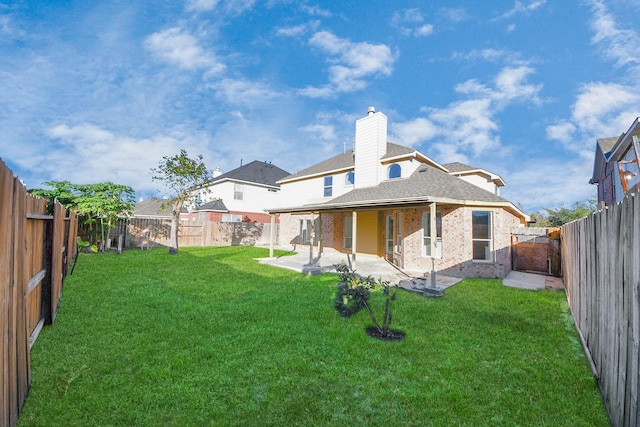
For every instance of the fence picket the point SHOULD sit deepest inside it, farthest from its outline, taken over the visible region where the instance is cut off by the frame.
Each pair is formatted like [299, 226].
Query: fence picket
[23, 224]
[601, 265]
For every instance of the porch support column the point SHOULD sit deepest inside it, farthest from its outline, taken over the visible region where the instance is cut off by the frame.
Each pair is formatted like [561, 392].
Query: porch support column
[354, 235]
[433, 236]
[319, 233]
[272, 235]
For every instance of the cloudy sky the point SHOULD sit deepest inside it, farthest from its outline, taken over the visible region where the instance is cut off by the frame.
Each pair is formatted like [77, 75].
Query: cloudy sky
[100, 91]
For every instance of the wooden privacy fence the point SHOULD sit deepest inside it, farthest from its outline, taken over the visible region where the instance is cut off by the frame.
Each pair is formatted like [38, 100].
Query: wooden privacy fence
[36, 249]
[153, 232]
[601, 265]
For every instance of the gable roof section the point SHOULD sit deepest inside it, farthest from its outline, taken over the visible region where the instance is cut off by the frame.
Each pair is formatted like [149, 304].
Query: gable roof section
[337, 163]
[214, 205]
[256, 172]
[604, 147]
[345, 161]
[426, 184]
[460, 169]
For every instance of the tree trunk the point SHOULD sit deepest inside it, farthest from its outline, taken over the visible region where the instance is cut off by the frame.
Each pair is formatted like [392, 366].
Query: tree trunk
[173, 235]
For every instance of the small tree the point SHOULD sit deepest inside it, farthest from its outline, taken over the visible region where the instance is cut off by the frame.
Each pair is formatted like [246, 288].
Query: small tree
[99, 204]
[181, 175]
[105, 202]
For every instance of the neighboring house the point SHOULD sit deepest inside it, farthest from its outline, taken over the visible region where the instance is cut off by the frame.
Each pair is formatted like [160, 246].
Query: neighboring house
[240, 195]
[615, 166]
[392, 201]
[152, 208]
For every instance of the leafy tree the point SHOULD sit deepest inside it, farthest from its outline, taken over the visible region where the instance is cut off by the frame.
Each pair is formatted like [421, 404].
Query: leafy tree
[557, 217]
[104, 202]
[63, 191]
[181, 175]
[95, 203]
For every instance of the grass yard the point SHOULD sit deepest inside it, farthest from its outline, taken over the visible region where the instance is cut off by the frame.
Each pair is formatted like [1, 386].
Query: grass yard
[211, 337]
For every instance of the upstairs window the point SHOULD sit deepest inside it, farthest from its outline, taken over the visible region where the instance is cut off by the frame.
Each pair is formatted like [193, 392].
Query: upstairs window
[349, 178]
[328, 186]
[238, 191]
[395, 171]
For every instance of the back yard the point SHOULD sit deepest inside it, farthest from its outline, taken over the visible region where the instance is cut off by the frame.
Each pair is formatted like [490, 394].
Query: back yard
[211, 337]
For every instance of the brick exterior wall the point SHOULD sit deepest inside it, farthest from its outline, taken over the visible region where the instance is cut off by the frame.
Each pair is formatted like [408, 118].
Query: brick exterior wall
[457, 245]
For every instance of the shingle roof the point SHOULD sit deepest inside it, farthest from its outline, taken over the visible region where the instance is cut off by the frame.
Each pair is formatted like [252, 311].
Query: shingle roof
[426, 182]
[214, 205]
[257, 172]
[346, 161]
[341, 161]
[607, 144]
[153, 207]
[455, 167]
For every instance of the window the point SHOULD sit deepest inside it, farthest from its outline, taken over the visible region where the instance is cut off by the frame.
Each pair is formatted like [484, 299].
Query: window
[481, 236]
[395, 171]
[426, 234]
[628, 169]
[349, 178]
[328, 184]
[389, 234]
[238, 191]
[348, 232]
[231, 217]
[399, 229]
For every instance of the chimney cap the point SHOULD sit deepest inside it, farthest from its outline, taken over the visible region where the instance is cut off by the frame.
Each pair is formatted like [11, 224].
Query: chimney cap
[371, 110]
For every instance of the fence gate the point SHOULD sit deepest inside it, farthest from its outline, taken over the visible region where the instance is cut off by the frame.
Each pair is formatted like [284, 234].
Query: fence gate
[537, 250]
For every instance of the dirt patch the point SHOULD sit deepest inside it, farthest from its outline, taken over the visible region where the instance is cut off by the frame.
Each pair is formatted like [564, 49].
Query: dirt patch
[391, 335]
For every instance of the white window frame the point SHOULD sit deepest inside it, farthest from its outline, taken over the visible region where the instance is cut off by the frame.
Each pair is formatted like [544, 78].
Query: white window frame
[399, 170]
[489, 257]
[389, 234]
[348, 232]
[238, 191]
[426, 234]
[328, 186]
[347, 182]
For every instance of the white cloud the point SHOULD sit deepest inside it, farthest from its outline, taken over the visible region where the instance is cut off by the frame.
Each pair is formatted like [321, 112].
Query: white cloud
[324, 132]
[455, 14]
[353, 63]
[229, 6]
[178, 47]
[522, 8]
[623, 46]
[244, 92]
[601, 110]
[469, 128]
[415, 131]
[317, 11]
[410, 23]
[89, 153]
[201, 5]
[298, 30]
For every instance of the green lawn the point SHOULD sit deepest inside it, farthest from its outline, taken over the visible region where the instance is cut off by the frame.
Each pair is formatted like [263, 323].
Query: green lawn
[211, 337]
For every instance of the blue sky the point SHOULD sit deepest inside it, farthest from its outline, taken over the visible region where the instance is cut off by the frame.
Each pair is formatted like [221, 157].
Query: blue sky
[100, 91]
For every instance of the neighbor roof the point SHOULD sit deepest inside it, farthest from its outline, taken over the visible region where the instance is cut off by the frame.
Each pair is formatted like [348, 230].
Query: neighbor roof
[214, 205]
[256, 172]
[153, 207]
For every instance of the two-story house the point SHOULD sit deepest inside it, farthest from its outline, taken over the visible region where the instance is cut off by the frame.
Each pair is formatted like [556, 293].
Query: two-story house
[615, 166]
[391, 201]
[240, 195]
